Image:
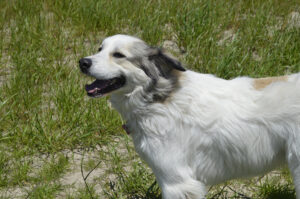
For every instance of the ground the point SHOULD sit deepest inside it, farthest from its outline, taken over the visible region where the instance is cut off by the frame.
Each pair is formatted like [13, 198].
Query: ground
[55, 142]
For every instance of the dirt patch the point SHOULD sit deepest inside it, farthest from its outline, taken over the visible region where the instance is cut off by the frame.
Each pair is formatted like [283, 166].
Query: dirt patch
[227, 37]
[256, 56]
[6, 68]
[171, 46]
[74, 178]
[276, 27]
[92, 164]
[15, 192]
[294, 20]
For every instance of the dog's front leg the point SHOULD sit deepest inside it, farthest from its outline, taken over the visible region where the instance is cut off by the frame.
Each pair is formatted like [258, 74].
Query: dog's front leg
[296, 173]
[190, 189]
[177, 181]
[169, 159]
[294, 164]
[295, 170]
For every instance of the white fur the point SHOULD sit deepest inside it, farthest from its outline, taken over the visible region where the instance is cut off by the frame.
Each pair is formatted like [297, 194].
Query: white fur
[209, 130]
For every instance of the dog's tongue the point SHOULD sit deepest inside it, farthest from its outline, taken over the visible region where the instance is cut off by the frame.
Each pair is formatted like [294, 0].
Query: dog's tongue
[92, 91]
[96, 85]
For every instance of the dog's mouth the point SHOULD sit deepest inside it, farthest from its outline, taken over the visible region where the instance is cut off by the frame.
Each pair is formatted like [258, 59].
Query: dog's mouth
[101, 87]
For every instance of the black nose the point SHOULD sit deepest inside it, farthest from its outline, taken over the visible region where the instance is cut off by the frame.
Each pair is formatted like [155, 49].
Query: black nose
[85, 64]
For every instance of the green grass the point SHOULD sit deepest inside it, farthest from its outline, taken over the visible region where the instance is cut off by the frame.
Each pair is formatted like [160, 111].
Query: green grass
[44, 110]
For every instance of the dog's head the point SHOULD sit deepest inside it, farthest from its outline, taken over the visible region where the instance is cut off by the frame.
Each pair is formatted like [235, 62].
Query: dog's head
[125, 63]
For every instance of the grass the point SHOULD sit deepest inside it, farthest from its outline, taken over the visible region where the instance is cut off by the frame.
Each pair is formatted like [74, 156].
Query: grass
[45, 115]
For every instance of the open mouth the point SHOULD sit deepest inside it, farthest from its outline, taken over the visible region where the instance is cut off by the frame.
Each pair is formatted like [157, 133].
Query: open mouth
[101, 87]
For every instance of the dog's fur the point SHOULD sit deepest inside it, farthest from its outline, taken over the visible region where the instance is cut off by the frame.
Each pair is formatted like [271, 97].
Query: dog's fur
[194, 129]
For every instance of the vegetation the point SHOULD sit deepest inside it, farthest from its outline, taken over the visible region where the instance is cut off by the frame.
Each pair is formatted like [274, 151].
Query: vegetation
[50, 130]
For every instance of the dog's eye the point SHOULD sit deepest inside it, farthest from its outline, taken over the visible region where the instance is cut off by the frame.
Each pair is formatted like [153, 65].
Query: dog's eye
[99, 49]
[118, 55]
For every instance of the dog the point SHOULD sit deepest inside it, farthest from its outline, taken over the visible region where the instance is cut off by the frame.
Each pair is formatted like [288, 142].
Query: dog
[196, 130]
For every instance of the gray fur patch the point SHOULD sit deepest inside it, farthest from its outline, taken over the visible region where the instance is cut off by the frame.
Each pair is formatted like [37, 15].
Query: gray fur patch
[161, 68]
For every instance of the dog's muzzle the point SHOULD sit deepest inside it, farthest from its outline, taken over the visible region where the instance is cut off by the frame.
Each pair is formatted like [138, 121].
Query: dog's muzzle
[85, 64]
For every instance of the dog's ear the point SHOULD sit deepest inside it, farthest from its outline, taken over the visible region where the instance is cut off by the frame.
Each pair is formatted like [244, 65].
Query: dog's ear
[164, 62]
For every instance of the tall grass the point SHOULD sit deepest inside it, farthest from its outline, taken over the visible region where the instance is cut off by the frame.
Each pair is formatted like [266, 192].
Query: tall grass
[43, 106]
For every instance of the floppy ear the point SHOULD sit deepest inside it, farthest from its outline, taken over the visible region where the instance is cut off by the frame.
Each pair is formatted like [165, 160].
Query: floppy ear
[164, 62]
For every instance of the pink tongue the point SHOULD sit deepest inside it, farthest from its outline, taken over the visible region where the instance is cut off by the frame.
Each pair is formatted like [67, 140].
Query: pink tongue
[93, 90]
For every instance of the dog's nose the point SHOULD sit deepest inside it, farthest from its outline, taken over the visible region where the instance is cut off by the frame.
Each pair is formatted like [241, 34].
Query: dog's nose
[85, 64]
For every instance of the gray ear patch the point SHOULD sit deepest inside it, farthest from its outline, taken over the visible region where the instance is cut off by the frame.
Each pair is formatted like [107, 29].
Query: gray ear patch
[161, 68]
[164, 62]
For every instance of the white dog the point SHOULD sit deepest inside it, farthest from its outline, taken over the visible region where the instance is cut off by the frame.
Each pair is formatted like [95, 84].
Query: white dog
[194, 129]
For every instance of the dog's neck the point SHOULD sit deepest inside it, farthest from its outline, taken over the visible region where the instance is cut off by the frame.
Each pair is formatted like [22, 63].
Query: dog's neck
[128, 105]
